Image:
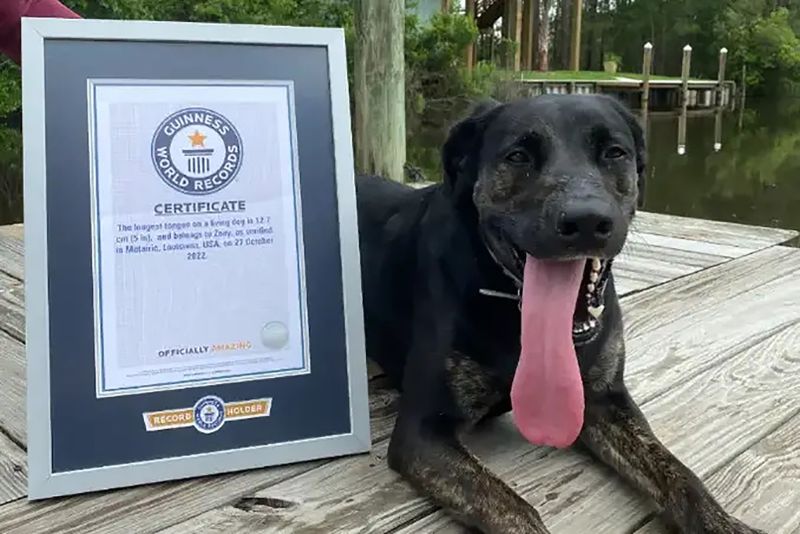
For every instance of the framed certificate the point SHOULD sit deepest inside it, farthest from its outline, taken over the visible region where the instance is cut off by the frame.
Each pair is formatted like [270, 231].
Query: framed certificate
[192, 272]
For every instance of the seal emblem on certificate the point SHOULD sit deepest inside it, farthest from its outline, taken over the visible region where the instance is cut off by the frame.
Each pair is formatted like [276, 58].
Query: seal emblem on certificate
[197, 151]
[198, 256]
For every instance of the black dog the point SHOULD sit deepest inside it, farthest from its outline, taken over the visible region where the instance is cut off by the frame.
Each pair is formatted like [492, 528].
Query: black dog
[493, 292]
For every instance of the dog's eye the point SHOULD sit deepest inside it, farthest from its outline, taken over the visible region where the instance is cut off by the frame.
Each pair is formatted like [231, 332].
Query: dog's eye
[614, 152]
[518, 156]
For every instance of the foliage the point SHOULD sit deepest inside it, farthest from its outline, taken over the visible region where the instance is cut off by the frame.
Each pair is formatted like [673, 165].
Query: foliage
[612, 57]
[10, 89]
[10, 173]
[760, 34]
[435, 56]
[762, 40]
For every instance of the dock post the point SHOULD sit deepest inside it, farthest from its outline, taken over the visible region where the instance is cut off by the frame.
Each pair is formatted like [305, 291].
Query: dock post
[685, 67]
[723, 56]
[718, 129]
[744, 96]
[379, 88]
[647, 65]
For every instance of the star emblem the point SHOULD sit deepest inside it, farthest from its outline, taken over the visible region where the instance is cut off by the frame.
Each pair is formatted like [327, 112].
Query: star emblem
[197, 139]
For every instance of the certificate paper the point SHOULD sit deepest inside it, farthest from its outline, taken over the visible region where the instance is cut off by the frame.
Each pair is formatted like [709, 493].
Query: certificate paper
[198, 254]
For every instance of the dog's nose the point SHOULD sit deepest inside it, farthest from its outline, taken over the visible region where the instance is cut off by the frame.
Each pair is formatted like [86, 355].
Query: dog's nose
[586, 224]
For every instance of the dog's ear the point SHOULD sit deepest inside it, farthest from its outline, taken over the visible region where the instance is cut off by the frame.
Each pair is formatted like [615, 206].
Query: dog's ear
[460, 150]
[639, 142]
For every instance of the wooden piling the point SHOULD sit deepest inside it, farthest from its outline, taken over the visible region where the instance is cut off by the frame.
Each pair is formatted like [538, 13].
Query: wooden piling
[743, 97]
[379, 88]
[575, 58]
[723, 57]
[685, 68]
[647, 65]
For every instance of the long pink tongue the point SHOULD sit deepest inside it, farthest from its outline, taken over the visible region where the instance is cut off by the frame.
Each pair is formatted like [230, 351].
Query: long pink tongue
[547, 392]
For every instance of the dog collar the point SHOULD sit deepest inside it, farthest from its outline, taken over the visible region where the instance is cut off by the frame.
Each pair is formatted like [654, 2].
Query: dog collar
[595, 306]
[499, 294]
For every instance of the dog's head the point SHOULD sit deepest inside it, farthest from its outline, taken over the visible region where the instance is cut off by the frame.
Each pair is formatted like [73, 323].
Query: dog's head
[555, 177]
[552, 178]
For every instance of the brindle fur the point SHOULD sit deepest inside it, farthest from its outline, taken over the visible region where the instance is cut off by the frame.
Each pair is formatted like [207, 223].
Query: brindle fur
[452, 351]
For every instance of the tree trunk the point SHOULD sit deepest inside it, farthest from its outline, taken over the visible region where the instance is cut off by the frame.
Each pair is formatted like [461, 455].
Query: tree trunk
[528, 33]
[575, 47]
[514, 12]
[564, 33]
[536, 24]
[470, 51]
[543, 36]
[379, 88]
[594, 61]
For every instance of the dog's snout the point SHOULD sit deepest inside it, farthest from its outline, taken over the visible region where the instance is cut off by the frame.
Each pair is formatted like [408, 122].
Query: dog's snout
[585, 224]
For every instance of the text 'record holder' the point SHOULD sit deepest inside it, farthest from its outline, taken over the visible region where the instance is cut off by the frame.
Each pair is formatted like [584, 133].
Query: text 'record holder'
[193, 292]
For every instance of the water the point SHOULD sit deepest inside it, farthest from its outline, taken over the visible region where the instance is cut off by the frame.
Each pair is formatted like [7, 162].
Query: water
[754, 179]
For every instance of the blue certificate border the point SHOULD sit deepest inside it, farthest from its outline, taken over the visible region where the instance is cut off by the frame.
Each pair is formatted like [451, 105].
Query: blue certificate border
[102, 390]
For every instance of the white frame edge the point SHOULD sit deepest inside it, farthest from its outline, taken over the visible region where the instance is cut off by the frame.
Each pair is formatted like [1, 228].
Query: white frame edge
[42, 483]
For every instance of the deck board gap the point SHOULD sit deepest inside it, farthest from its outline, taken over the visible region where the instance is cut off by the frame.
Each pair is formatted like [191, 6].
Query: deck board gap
[13, 440]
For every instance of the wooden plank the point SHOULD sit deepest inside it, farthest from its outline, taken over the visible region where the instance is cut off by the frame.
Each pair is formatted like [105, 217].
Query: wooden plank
[651, 259]
[678, 243]
[12, 306]
[760, 486]
[639, 249]
[12, 254]
[718, 232]
[134, 509]
[720, 394]
[13, 471]
[14, 231]
[664, 247]
[12, 390]
[681, 335]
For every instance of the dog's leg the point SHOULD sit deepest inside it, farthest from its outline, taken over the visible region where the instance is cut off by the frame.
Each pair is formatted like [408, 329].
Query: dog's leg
[616, 431]
[429, 455]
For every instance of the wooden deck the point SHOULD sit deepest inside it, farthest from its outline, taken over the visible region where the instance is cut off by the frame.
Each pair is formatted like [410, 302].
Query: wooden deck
[712, 314]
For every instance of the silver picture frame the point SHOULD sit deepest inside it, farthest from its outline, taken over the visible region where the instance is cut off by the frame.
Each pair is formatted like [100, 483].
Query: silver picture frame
[43, 481]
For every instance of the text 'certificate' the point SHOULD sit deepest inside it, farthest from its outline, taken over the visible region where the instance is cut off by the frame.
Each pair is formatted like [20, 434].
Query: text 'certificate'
[198, 254]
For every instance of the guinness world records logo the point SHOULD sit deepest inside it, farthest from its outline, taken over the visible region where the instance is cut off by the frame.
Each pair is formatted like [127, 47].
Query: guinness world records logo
[197, 151]
[209, 414]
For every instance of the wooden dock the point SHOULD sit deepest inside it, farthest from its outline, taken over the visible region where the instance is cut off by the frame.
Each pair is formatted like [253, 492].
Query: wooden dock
[712, 314]
[664, 94]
